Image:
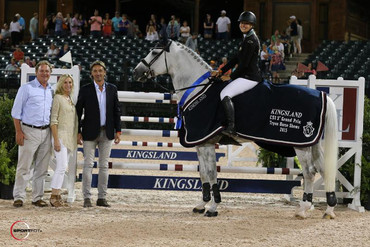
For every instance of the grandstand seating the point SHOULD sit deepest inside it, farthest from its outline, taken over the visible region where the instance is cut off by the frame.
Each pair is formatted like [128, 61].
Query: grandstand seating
[349, 60]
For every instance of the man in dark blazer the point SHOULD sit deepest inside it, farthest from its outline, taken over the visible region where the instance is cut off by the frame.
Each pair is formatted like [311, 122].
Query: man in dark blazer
[101, 123]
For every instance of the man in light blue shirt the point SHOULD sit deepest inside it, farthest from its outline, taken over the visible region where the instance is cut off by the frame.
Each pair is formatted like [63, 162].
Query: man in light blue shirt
[34, 26]
[31, 115]
[116, 20]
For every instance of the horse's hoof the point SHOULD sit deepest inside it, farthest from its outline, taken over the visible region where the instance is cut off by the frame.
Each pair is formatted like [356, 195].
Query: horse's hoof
[211, 214]
[328, 216]
[301, 216]
[199, 211]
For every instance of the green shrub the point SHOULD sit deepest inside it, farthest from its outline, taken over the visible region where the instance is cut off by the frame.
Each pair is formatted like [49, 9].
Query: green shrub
[348, 168]
[7, 171]
[9, 148]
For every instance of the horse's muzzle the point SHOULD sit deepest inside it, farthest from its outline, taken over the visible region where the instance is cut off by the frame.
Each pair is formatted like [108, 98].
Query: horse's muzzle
[139, 75]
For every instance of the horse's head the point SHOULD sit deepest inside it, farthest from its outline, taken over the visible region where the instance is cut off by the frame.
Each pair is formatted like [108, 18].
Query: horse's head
[155, 63]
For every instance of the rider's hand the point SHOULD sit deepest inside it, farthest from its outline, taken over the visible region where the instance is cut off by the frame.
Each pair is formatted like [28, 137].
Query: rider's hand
[225, 78]
[215, 73]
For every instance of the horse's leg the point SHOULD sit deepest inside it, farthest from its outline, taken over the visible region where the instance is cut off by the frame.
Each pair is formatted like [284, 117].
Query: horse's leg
[206, 172]
[309, 171]
[331, 200]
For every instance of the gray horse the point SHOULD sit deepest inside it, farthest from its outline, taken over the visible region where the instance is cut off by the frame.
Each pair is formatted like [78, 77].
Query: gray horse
[185, 67]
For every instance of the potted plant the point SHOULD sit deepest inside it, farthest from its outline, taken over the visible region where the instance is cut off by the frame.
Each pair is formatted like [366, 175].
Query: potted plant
[9, 149]
[270, 159]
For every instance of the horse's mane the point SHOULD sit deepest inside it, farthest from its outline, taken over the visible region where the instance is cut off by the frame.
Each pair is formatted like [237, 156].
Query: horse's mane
[193, 54]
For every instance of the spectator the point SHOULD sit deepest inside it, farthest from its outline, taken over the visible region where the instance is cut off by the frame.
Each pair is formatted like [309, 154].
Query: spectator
[58, 20]
[51, 25]
[265, 61]
[64, 50]
[173, 29]
[276, 65]
[74, 26]
[116, 20]
[30, 62]
[124, 25]
[82, 25]
[34, 26]
[15, 31]
[213, 64]
[298, 73]
[223, 25]
[107, 26]
[52, 52]
[150, 24]
[12, 67]
[163, 28]
[208, 26]
[280, 47]
[285, 39]
[294, 33]
[67, 24]
[310, 70]
[18, 54]
[275, 35]
[300, 35]
[22, 22]
[152, 34]
[184, 32]
[224, 62]
[192, 42]
[4, 36]
[95, 24]
[153, 17]
[136, 30]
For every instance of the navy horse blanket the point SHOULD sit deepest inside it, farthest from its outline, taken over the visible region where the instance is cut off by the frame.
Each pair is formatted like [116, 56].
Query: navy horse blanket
[283, 116]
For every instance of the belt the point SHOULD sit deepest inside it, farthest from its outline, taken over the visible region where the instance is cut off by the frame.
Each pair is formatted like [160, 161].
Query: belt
[37, 127]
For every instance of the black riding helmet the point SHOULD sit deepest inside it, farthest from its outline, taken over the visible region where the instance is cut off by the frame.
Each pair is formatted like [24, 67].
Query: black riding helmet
[249, 17]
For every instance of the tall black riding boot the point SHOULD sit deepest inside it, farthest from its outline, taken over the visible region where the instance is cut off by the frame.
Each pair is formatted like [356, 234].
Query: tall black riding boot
[230, 116]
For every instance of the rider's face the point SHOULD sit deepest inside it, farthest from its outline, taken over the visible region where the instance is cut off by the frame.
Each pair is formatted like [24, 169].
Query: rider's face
[245, 26]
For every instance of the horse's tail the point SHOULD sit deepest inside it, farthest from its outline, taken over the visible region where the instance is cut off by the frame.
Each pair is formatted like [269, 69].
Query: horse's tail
[330, 145]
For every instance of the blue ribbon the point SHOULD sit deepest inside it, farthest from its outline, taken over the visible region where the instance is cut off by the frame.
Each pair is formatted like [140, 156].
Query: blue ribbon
[186, 94]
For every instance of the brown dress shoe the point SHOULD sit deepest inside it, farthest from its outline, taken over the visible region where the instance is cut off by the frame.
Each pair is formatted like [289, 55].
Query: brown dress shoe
[87, 203]
[40, 203]
[102, 203]
[18, 203]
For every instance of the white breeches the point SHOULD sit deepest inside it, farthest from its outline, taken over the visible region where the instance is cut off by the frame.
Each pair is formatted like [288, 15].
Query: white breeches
[62, 159]
[237, 86]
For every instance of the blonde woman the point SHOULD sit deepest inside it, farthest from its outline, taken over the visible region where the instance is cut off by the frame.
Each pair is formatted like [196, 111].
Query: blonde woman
[63, 126]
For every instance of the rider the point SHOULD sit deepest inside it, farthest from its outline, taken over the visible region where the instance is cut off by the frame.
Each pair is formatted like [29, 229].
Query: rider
[247, 74]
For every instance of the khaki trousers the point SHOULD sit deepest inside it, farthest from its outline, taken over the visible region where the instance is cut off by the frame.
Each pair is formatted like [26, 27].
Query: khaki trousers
[36, 150]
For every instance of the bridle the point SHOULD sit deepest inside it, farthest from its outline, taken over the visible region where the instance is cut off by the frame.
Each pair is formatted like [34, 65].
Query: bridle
[150, 73]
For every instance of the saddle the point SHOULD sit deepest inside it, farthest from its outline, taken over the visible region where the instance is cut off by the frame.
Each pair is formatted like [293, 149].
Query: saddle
[275, 117]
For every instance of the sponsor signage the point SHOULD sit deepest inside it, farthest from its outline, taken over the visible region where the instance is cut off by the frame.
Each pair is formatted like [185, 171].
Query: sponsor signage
[194, 184]
[154, 154]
